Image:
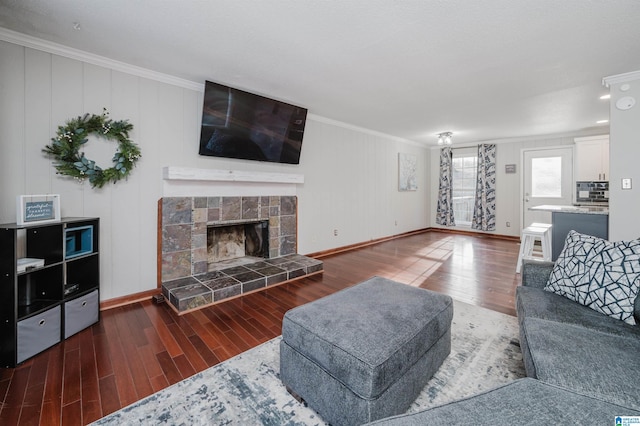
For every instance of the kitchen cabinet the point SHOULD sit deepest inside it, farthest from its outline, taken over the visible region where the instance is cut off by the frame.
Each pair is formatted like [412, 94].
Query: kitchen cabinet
[592, 158]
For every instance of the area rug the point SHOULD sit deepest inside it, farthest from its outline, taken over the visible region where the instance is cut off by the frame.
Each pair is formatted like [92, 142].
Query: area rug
[246, 389]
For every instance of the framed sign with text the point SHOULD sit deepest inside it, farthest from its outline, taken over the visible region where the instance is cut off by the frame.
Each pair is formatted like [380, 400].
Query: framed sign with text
[32, 209]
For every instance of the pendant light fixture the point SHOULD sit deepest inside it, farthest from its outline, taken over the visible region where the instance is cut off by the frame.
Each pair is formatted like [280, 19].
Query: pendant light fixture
[444, 138]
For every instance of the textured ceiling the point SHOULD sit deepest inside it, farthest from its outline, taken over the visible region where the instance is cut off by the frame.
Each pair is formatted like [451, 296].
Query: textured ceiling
[486, 70]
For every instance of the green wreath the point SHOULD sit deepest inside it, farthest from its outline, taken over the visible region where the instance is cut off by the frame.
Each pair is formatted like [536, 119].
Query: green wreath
[69, 139]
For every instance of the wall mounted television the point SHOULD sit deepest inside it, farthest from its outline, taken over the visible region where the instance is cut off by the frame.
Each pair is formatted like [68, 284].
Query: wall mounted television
[242, 125]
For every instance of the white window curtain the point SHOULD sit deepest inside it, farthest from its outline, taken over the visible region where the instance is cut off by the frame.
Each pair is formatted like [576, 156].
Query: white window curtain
[444, 213]
[484, 212]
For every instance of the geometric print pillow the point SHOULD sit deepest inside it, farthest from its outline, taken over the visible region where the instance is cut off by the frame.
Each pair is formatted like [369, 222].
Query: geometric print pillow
[602, 275]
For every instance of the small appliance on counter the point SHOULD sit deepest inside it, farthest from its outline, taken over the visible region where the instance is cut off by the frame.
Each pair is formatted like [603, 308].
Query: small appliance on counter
[592, 193]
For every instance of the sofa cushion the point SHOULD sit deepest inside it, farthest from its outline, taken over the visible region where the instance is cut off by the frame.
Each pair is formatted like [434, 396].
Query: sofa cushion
[536, 303]
[533, 302]
[523, 402]
[593, 363]
[535, 273]
[369, 335]
[602, 275]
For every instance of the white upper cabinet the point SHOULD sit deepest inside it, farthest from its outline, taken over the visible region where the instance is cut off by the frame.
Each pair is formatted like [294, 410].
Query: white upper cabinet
[592, 158]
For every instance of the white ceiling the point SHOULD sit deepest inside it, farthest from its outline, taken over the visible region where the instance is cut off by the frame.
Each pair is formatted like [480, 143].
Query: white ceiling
[486, 70]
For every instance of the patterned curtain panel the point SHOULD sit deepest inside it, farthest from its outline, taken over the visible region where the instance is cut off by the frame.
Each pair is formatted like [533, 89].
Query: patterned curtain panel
[444, 214]
[484, 211]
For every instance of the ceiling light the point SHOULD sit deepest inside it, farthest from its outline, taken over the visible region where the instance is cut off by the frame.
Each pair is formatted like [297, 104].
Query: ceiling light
[602, 121]
[444, 138]
[607, 96]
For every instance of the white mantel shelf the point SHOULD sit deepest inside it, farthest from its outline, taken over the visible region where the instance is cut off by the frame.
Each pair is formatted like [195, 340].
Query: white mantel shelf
[174, 173]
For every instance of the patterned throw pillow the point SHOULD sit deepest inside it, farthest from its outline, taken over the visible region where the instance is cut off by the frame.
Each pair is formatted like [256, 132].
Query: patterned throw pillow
[602, 275]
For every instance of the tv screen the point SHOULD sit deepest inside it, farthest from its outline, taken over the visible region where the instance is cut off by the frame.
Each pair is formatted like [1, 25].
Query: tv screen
[239, 124]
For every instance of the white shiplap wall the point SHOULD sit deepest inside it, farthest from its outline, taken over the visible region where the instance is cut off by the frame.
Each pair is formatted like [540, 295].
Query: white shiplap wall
[350, 174]
[355, 188]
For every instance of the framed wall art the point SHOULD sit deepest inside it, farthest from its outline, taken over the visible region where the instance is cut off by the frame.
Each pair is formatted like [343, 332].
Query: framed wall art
[407, 165]
[32, 209]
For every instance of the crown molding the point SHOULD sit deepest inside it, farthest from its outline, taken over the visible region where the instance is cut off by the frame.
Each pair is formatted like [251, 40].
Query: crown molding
[80, 55]
[620, 78]
[358, 129]
[83, 56]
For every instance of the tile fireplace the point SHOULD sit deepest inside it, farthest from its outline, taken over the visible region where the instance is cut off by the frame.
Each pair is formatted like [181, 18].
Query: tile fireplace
[213, 248]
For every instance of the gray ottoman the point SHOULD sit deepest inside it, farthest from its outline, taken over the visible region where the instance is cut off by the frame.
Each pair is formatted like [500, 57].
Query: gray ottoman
[366, 352]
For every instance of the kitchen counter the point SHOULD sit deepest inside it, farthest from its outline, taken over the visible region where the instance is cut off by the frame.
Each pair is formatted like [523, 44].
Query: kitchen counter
[590, 220]
[572, 209]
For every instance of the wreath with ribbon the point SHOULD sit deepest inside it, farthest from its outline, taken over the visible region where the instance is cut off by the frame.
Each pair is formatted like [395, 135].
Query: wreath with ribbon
[69, 161]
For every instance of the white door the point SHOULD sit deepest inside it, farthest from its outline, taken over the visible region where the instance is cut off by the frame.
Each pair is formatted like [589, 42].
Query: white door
[548, 179]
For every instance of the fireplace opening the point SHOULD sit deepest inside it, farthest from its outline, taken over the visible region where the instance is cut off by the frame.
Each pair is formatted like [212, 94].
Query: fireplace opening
[236, 241]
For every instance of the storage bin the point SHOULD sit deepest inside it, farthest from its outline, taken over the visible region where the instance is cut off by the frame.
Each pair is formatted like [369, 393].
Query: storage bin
[81, 312]
[78, 241]
[38, 333]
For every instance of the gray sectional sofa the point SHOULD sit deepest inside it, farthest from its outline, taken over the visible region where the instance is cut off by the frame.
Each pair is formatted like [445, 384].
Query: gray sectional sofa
[570, 345]
[523, 402]
[583, 367]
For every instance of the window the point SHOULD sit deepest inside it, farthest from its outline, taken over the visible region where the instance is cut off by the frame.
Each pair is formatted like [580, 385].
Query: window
[546, 177]
[465, 166]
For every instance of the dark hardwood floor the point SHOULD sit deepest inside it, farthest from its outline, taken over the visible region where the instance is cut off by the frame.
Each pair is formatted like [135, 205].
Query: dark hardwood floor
[142, 348]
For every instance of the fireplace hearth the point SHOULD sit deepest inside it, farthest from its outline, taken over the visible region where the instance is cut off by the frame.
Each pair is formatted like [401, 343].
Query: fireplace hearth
[214, 248]
[190, 293]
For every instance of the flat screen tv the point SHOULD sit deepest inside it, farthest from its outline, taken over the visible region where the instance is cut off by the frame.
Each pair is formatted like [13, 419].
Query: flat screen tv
[239, 124]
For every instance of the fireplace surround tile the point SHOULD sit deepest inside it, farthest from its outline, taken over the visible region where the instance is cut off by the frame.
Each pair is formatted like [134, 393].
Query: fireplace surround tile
[277, 278]
[256, 284]
[227, 292]
[200, 203]
[249, 276]
[280, 260]
[191, 296]
[250, 207]
[185, 219]
[200, 267]
[181, 282]
[236, 270]
[265, 269]
[255, 266]
[176, 210]
[184, 275]
[234, 281]
[176, 238]
[231, 209]
[213, 202]
[221, 282]
[288, 206]
[209, 276]
[294, 270]
[200, 215]
[213, 214]
[176, 265]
